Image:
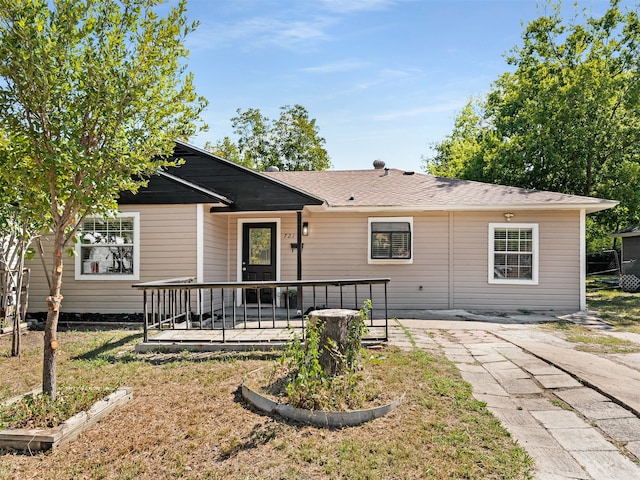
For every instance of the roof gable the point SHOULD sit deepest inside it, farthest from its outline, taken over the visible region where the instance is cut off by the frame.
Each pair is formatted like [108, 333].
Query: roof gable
[207, 178]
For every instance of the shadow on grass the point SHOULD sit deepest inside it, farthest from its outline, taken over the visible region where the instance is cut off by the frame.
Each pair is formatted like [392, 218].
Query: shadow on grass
[99, 352]
[110, 351]
[162, 358]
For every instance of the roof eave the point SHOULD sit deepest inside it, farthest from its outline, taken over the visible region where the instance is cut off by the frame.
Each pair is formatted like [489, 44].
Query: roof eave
[587, 207]
[221, 199]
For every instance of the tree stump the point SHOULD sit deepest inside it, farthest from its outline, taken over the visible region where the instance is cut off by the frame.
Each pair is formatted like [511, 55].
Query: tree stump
[334, 338]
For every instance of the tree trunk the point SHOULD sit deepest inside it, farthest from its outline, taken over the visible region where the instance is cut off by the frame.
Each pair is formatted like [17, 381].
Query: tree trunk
[334, 339]
[17, 316]
[15, 338]
[54, 301]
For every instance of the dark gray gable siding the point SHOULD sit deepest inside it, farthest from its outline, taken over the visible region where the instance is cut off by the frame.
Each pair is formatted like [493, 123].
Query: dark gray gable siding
[162, 190]
[248, 190]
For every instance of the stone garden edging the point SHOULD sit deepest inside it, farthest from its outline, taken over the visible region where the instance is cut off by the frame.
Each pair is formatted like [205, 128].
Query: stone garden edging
[317, 417]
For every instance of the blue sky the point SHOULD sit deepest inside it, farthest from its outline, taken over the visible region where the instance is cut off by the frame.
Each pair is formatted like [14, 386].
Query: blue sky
[384, 79]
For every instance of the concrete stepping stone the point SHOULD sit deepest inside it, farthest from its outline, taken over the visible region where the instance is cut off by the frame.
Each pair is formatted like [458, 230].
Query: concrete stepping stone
[520, 386]
[559, 419]
[514, 417]
[621, 429]
[556, 462]
[583, 439]
[580, 396]
[607, 465]
[603, 411]
[561, 380]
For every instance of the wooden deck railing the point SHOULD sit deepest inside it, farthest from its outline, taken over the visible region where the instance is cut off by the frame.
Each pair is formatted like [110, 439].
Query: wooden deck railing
[183, 304]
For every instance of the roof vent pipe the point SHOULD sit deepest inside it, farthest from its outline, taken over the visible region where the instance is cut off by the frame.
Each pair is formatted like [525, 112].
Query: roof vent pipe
[386, 172]
[378, 164]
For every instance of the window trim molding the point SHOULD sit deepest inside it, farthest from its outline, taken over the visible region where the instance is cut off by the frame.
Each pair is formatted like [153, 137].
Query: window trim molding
[389, 261]
[136, 253]
[535, 254]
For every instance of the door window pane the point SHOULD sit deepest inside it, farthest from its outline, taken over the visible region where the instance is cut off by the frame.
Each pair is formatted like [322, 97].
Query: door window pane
[259, 246]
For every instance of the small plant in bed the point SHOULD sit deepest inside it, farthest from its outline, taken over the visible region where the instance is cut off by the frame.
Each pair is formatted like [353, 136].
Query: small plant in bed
[299, 379]
[40, 411]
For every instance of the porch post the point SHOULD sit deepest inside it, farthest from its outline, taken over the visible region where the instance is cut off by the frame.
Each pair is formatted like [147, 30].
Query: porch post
[299, 251]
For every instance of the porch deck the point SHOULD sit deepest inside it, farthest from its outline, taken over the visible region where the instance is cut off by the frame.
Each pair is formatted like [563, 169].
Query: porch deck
[234, 339]
[180, 314]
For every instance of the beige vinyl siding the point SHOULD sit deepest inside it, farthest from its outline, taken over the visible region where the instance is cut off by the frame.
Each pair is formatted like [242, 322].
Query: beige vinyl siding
[337, 248]
[559, 263]
[449, 268]
[167, 250]
[216, 248]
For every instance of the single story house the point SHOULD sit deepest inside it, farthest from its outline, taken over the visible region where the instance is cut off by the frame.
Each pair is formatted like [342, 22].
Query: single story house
[444, 243]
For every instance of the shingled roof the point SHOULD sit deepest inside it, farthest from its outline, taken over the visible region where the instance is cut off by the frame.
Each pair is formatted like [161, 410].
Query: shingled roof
[376, 188]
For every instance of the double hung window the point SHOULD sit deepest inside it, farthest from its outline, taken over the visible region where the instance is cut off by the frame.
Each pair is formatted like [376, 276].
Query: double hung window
[108, 248]
[513, 253]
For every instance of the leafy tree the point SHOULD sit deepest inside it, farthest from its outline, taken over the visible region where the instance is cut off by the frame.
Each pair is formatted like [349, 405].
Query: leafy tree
[295, 141]
[226, 149]
[290, 143]
[23, 217]
[566, 119]
[253, 133]
[91, 93]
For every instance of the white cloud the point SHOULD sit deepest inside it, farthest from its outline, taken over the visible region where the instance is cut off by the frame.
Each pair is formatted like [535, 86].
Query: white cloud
[292, 26]
[343, 66]
[263, 31]
[348, 6]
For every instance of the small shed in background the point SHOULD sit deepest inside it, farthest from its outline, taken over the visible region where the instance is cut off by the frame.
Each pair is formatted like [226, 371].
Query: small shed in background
[630, 258]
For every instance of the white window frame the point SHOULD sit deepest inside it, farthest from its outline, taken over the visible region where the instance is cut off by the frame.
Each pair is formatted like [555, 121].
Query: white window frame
[534, 254]
[390, 261]
[136, 253]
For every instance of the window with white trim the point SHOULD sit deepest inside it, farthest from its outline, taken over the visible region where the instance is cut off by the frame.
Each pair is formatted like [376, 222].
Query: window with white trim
[390, 240]
[513, 253]
[108, 248]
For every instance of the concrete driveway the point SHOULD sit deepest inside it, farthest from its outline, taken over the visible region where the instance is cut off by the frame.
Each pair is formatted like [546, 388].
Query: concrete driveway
[576, 413]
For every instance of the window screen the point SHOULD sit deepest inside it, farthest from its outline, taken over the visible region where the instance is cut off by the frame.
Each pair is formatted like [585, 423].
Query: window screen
[390, 240]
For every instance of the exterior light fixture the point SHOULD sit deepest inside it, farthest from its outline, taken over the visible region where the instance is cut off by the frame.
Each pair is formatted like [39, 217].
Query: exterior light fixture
[508, 216]
[305, 229]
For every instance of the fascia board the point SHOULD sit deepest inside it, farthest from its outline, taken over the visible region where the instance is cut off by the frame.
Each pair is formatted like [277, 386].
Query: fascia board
[589, 208]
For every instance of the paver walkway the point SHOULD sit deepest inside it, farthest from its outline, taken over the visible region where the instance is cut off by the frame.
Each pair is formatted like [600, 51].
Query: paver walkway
[570, 430]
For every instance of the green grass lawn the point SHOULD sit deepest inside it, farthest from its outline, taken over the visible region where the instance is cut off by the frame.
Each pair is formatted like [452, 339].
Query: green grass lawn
[621, 309]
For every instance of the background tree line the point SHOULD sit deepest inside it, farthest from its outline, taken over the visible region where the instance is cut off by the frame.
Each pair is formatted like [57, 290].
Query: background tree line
[292, 142]
[566, 118]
